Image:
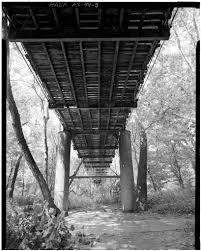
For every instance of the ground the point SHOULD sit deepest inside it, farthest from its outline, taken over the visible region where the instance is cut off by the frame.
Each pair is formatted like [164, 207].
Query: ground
[109, 228]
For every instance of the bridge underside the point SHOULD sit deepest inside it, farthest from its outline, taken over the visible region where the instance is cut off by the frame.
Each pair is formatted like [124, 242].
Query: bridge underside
[92, 62]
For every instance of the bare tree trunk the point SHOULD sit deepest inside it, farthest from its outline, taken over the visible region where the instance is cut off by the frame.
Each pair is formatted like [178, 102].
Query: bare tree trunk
[23, 182]
[52, 174]
[23, 144]
[179, 46]
[13, 179]
[196, 27]
[44, 109]
[45, 119]
[142, 171]
[190, 34]
[179, 176]
[177, 169]
[10, 177]
[133, 143]
[152, 181]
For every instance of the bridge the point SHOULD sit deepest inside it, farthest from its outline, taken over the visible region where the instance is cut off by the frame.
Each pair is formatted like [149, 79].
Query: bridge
[91, 60]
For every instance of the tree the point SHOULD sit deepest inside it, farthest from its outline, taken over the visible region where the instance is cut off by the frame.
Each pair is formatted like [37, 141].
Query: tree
[13, 176]
[23, 144]
[175, 167]
[139, 148]
[32, 120]
[45, 113]
[152, 181]
[166, 108]
[142, 170]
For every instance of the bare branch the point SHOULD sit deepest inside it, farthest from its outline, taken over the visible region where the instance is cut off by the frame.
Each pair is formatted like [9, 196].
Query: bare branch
[179, 46]
[190, 34]
[195, 25]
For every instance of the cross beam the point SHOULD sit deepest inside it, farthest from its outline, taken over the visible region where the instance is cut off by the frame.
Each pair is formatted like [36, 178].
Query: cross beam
[94, 131]
[96, 162]
[53, 105]
[96, 157]
[93, 168]
[94, 148]
[97, 167]
[95, 177]
[87, 35]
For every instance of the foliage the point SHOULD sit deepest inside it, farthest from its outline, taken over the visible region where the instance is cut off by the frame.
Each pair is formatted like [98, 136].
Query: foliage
[27, 200]
[28, 94]
[166, 107]
[87, 194]
[40, 229]
[180, 201]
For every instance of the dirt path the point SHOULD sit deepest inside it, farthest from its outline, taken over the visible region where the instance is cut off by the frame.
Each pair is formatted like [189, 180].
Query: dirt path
[117, 230]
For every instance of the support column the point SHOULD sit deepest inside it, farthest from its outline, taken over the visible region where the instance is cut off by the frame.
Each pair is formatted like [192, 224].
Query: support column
[126, 172]
[61, 189]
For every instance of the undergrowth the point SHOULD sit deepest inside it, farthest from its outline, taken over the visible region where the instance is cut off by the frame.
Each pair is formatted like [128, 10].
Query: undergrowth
[40, 229]
[180, 201]
[84, 201]
[27, 200]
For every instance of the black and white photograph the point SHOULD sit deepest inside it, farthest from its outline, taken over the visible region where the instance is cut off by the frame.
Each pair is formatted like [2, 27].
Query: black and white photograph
[100, 125]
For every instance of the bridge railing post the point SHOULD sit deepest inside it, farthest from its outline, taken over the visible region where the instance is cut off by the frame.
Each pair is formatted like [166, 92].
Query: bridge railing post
[61, 189]
[126, 172]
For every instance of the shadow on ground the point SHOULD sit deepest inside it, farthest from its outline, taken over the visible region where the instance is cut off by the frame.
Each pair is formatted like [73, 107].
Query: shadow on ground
[116, 230]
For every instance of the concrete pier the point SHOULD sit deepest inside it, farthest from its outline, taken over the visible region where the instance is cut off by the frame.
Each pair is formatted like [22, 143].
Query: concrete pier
[126, 172]
[61, 189]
